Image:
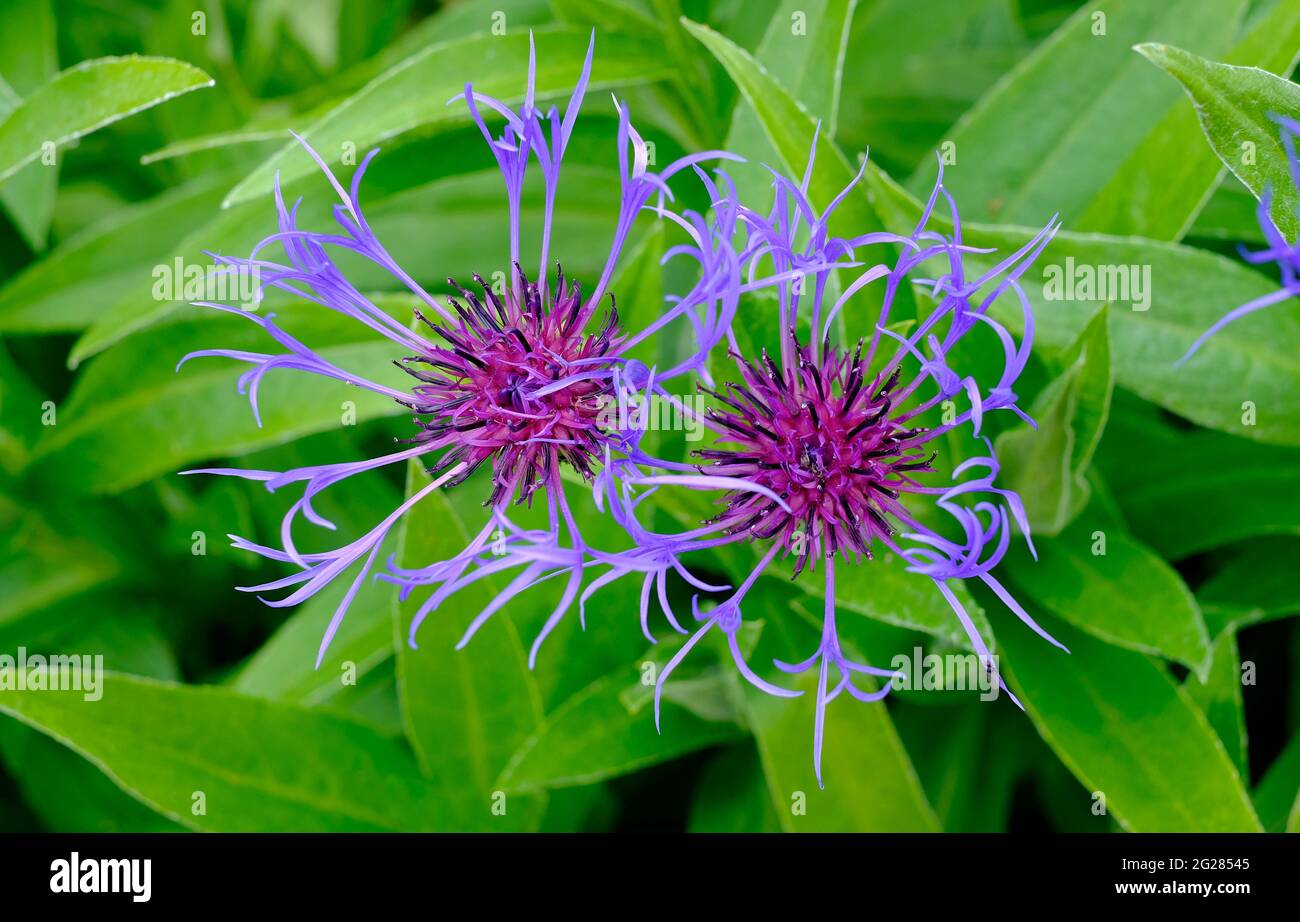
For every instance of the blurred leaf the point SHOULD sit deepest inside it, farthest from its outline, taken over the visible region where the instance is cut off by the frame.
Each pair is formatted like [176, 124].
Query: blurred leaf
[607, 15]
[1185, 291]
[132, 416]
[1046, 466]
[67, 792]
[1198, 490]
[1277, 796]
[789, 128]
[69, 288]
[949, 746]
[40, 567]
[88, 97]
[466, 711]
[1126, 596]
[1234, 105]
[20, 414]
[1219, 698]
[809, 62]
[603, 731]
[1228, 215]
[414, 93]
[1035, 154]
[639, 283]
[1260, 582]
[905, 93]
[260, 765]
[1127, 731]
[454, 20]
[1166, 180]
[403, 199]
[731, 795]
[28, 57]
[589, 808]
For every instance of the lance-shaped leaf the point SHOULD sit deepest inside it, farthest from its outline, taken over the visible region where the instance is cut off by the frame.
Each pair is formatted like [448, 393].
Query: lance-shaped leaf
[415, 93]
[1234, 105]
[1128, 732]
[88, 97]
[1046, 465]
[464, 711]
[249, 764]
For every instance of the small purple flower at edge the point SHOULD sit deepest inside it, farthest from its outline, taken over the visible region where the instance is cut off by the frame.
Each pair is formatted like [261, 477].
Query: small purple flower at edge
[1285, 255]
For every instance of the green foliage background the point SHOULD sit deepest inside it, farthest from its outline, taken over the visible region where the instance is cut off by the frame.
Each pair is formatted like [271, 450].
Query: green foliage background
[1179, 702]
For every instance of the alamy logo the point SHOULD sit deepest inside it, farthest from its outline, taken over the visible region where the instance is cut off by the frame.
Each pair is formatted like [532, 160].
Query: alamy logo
[182, 281]
[58, 672]
[627, 409]
[947, 672]
[103, 875]
[1083, 282]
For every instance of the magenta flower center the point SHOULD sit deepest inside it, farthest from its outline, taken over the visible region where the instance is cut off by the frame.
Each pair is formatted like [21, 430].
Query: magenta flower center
[518, 381]
[822, 438]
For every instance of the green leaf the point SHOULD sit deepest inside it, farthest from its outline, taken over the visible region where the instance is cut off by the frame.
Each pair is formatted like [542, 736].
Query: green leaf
[1035, 156]
[1166, 180]
[66, 791]
[28, 57]
[789, 127]
[1161, 297]
[949, 746]
[608, 729]
[132, 416]
[414, 93]
[21, 409]
[1233, 490]
[40, 567]
[261, 766]
[284, 668]
[465, 711]
[1109, 584]
[87, 97]
[1218, 696]
[889, 798]
[1234, 105]
[1229, 215]
[639, 282]
[882, 590]
[731, 795]
[1255, 584]
[809, 63]
[403, 196]
[1046, 466]
[1127, 731]
[69, 288]
[1277, 796]
[902, 96]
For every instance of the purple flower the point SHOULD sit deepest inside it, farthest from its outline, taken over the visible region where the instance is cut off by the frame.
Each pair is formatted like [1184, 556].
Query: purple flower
[514, 380]
[820, 451]
[1285, 255]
